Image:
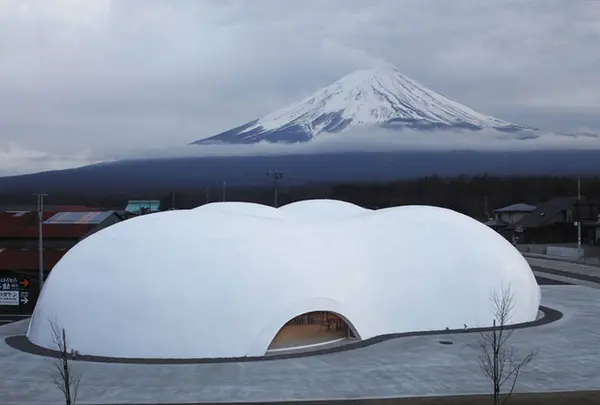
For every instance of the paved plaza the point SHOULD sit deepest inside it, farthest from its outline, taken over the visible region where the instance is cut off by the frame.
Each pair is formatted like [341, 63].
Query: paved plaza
[568, 359]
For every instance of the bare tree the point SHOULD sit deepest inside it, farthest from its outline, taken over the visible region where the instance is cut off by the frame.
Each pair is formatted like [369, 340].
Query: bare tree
[498, 359]
[62, 372]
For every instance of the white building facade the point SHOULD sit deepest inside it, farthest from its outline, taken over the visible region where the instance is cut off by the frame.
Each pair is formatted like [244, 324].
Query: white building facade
[221, 280]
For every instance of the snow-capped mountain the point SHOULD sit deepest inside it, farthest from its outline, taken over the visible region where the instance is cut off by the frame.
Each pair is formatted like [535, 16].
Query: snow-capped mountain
[381, 97]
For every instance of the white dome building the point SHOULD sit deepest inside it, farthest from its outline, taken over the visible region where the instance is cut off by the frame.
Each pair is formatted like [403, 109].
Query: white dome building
[221, 280]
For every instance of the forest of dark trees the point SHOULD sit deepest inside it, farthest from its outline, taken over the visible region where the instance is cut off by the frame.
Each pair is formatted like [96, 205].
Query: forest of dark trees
[474, 196]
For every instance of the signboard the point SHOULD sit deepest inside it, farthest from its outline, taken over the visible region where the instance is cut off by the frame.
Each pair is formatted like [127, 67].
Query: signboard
[519, 229]
[14, 290]
[9, 297]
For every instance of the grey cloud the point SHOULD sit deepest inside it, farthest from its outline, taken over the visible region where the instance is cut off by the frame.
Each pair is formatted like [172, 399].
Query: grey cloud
[17, 160]
[378, 140]
[114, 76]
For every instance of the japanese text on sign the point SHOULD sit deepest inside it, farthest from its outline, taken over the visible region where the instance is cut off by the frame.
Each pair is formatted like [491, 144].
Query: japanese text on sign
[9, 297]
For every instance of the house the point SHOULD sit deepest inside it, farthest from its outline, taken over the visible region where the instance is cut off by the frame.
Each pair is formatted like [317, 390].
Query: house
[512, 214]
[553, 221]
[140, 207]
[505, 219]
[20, 254]
[20, 229]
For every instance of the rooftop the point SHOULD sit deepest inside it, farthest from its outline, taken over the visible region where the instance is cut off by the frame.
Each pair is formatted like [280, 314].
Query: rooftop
[495, 223]
[57, 225]
[548, 212]
[142, 206]
[71, 218]
[49, 208]
[28, 259]
[519, 207]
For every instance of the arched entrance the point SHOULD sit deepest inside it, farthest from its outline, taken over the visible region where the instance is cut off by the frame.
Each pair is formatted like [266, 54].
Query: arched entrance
[311, 330]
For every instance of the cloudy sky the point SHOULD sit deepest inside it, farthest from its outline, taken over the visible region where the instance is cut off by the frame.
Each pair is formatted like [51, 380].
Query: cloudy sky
[87, 80]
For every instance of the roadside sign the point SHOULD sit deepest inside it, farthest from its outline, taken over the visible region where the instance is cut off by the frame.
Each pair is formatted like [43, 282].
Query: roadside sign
[519, 228]
[9, 297]
[14, 290]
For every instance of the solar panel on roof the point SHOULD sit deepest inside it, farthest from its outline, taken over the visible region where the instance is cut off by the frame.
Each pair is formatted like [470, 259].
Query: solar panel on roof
[85, 218]
[17, 213]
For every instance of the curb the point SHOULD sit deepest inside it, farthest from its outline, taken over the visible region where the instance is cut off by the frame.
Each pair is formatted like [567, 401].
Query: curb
[593, 263]
[23, 344]
[567, 274]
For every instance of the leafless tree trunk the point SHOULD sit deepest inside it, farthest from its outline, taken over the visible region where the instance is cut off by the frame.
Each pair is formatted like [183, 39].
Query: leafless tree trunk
[62, 373]
[498, 359]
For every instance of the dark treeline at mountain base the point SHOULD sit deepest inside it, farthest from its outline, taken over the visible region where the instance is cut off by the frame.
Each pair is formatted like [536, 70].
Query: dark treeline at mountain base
[474, 196]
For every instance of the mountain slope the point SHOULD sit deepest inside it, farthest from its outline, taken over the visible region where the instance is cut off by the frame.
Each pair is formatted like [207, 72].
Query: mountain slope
[381, 97]
[161, 176]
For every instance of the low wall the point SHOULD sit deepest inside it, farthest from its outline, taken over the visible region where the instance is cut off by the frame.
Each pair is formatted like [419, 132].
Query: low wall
[566, 252]
[537, 249]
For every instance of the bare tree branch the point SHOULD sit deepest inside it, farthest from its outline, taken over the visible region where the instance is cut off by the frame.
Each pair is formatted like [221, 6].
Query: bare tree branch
[497, 359]
[62, 373]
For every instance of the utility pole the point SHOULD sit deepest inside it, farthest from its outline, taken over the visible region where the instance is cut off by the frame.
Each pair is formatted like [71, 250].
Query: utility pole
[485, 208]
[172, 200]
[276, 175]
[224, 191]
[206, 195]
[579, 217]
[40, 208]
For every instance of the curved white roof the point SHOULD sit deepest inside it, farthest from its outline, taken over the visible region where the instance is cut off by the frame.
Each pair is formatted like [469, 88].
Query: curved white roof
[222, 279]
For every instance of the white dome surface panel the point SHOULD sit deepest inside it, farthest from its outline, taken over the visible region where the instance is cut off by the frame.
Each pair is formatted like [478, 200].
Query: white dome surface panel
[222, 279]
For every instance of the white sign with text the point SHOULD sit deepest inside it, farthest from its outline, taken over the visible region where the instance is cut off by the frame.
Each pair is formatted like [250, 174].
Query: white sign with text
[9, 297]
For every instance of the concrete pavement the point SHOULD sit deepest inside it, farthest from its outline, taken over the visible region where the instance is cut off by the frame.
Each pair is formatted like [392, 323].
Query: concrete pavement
[568, 359]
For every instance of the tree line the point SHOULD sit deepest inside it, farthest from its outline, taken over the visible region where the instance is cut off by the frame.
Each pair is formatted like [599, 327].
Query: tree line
[475, 196]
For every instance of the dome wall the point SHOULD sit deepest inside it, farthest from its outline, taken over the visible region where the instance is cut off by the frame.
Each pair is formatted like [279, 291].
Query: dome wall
[221, 280]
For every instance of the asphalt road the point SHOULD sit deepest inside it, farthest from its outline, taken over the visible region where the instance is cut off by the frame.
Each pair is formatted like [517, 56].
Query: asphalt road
[547, 281]
[5, 319]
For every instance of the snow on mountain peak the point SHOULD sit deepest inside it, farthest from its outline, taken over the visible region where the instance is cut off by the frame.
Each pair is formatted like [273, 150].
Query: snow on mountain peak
[379, 97]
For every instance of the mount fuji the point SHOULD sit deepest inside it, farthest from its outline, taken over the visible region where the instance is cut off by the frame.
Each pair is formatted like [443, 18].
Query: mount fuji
[370, 98]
